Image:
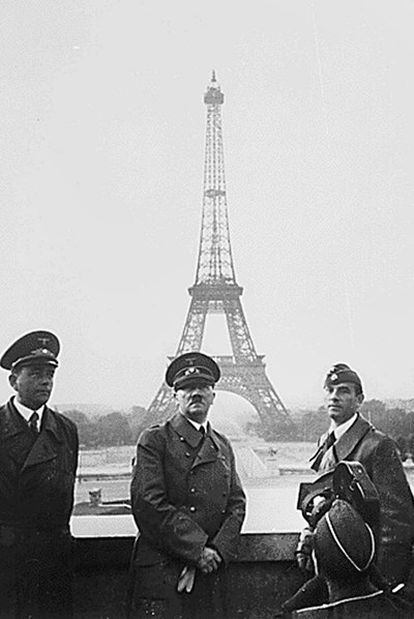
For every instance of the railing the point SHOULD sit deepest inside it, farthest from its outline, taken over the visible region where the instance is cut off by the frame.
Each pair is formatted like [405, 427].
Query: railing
[262, 576]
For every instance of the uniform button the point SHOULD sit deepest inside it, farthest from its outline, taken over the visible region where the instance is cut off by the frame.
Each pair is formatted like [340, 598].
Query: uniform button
[223, 511]
[192, 490]
[187, 454]
[181, 438]
[192, 508]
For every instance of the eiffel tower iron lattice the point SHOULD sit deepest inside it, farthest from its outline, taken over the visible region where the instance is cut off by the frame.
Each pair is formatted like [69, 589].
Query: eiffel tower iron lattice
[216, 291]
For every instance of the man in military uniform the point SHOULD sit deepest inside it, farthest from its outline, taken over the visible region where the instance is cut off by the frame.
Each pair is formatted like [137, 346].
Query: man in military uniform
[38, 460]
[187, 501]
[352, 438]
[344, 550]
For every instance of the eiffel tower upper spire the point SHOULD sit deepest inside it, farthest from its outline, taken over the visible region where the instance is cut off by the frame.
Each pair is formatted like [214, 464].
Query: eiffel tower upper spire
[216, 291]
[215, 261]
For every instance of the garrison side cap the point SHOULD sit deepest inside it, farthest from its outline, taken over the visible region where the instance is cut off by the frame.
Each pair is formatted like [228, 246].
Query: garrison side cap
[189, 367]
[342, 373]
[344, 542]
[34, 348]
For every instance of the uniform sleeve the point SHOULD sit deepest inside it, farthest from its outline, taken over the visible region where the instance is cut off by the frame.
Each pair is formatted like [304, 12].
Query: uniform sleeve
[168, 527]
[227, 538]
[396, 515]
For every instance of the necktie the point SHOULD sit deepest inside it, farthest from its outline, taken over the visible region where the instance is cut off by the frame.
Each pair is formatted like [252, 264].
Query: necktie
[328, 442]
[34, 417]
[203, 433]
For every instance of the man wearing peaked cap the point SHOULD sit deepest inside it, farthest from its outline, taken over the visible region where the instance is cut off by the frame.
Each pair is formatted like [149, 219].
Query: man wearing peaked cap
[187, 501]
[351, 437]
[191, 366]
[38, 346]
[38, 460]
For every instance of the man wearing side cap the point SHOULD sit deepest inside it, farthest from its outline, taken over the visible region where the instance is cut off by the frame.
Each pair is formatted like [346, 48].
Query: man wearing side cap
[187, 501]
[38, 460]
[352, 438]
[344, 550]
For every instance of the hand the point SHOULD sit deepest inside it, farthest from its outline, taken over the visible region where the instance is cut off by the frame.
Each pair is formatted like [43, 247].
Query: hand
[318, 506]
[304, 551]
[321, 504]
[209, 561]
[186, 579]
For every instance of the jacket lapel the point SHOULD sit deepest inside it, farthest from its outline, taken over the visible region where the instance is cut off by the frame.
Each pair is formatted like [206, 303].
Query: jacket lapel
[15, 439]
[319, 448]
[345, 445]
[185, 430]
[351, 438]
[209, 451]
[208, 447]
[44, 449]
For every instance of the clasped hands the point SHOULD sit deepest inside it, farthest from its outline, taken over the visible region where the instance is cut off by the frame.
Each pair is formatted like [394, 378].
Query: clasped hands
[208, 562]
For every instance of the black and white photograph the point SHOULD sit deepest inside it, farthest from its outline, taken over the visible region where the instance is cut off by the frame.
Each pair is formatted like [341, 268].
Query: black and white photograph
[207, 265]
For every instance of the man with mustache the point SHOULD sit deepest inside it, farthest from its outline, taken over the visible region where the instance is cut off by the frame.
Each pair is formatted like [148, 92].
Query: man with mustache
[38, 460]
[187, 501]
[352, 438]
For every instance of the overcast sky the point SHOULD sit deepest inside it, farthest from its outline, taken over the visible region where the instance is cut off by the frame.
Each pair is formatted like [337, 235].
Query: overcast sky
[103, 128]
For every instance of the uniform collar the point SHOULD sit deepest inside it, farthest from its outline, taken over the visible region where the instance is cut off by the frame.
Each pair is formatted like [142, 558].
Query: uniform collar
[341, 429]
[188, 431]
[198, 425]
[10, 427]
[26, 412]
[343, 446]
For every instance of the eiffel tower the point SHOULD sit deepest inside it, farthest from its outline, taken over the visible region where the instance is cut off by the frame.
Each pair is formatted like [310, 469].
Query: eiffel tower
[216, 291]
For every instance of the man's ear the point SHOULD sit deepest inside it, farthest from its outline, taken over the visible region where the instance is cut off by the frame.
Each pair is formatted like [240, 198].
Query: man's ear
[360, 398]
[12, 380]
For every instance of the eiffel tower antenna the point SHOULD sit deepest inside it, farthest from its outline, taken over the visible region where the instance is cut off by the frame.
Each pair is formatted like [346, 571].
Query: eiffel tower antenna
[215, 290]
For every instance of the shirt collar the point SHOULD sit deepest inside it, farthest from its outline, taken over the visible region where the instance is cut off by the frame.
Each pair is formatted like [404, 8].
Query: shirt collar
[25, 412]
[198, 425]
[340, 430]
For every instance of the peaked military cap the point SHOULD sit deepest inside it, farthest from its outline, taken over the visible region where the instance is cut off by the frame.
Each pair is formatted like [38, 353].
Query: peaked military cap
[344, 542]
[342, 373]
[189, 367]
[36, 347]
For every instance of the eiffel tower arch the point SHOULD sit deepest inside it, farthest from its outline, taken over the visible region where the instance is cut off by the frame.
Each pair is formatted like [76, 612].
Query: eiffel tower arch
[215, 290]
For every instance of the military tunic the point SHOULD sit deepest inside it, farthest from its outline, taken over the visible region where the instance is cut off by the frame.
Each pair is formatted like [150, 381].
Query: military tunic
[377, 452]
[37, 477]
[186, 494]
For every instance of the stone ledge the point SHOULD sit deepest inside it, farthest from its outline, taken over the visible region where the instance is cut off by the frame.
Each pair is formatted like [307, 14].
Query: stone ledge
[116, 551]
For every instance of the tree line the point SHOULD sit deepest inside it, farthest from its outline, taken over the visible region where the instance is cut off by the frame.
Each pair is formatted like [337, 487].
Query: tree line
[118, 428]
[109, 430]
[397, 422]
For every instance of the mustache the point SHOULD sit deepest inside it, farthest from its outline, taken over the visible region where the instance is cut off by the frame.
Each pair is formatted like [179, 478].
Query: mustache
[196, 398]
